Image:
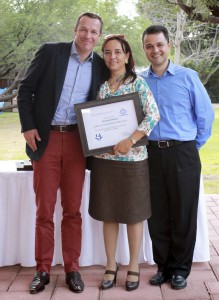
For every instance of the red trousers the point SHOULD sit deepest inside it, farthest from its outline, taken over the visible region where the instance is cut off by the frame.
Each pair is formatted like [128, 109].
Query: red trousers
[62, 165]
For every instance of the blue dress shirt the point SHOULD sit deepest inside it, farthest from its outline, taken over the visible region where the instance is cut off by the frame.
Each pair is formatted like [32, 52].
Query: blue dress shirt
[186, 112]
[75, 89]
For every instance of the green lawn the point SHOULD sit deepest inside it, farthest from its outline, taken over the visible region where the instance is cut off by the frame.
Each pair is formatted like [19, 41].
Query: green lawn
[210, 159]
[13, 145]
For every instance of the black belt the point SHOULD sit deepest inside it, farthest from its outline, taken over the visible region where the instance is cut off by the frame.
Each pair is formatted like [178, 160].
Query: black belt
[165, 144]
[64, 128]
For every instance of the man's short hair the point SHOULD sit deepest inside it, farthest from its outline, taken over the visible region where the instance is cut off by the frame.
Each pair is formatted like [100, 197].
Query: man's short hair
[92, 16]
[154, 29]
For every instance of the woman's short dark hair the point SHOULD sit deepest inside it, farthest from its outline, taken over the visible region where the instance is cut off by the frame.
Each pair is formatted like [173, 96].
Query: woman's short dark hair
[92, 16]
[130, 66]
[154, 29]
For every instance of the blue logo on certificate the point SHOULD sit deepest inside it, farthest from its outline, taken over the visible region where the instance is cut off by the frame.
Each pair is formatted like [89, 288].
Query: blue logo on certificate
[98, 137]
[123, 112]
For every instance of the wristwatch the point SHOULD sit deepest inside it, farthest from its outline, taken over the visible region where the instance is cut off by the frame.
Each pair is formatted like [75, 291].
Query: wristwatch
[132, 140]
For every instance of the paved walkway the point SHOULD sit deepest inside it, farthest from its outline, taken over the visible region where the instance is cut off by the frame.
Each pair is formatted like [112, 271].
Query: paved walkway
[203, 283]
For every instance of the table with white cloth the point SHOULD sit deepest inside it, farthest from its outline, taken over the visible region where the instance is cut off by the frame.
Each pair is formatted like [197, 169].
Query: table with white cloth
[17, 225]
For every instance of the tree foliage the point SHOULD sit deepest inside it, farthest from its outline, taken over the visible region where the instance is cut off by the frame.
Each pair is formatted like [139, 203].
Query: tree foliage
[26, 24]
[195, 44]
[200, 49]
[206, 11]
[199, 43]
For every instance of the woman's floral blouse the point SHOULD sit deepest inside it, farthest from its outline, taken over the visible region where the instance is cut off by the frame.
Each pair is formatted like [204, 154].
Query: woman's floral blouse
[150, 111]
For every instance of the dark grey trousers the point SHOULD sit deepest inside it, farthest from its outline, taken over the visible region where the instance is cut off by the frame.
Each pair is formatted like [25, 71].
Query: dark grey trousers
[174, 184]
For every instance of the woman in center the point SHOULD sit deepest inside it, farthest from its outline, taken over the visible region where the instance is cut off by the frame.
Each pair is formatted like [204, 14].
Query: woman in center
[119, 191]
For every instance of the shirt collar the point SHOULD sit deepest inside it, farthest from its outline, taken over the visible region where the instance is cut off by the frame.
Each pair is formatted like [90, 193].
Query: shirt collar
[74, 52]
[170, 69]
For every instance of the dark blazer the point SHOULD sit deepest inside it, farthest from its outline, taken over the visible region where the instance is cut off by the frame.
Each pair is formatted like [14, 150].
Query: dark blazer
[40, 90]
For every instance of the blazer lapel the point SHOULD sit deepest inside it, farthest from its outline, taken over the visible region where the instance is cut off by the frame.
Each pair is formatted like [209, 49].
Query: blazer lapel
[97, 72]
[61, 68]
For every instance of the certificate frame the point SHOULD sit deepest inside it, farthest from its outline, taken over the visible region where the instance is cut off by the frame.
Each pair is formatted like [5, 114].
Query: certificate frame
[81, 109]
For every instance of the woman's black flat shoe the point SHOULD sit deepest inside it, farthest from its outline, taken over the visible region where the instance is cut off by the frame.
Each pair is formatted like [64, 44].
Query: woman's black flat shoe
[107, 284]
[130, 285]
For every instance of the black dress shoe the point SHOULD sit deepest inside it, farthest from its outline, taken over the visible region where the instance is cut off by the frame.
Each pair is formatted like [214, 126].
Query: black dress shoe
[159, 278]
[107, 284]
[74, 281]
[178, 282]
[39, 281]
[132, 285]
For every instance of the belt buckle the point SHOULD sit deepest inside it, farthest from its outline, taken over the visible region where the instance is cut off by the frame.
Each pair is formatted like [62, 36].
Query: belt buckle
[62, 128]
[163, 144]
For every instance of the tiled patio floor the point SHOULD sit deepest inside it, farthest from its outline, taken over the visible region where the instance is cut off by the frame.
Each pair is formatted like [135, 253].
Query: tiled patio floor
[203, 283]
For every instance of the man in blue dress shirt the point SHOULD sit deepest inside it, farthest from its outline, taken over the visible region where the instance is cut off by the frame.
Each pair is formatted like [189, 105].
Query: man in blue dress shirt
[186, 117]
[60, 75]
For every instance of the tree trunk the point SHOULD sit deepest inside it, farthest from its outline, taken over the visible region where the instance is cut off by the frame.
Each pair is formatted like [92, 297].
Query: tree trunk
[11, 92]
[8, 107]
[181, 21]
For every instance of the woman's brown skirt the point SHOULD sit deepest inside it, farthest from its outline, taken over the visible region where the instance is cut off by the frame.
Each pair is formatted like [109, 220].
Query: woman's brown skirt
[119, 191]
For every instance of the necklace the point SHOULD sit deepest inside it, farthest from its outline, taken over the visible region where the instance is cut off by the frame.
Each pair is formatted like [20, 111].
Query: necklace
[114, 83]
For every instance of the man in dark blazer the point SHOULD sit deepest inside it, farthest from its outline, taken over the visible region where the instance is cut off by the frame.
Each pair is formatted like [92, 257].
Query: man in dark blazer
[60, 75]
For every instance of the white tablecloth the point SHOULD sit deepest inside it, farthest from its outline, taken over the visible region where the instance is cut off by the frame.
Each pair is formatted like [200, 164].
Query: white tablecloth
[17, 225]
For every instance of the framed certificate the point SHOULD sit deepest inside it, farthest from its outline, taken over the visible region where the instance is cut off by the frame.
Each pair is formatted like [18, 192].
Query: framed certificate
[103, 123]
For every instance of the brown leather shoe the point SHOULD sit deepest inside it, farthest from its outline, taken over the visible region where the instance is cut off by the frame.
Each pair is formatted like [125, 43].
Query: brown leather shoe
[39, 281]
[74, 281]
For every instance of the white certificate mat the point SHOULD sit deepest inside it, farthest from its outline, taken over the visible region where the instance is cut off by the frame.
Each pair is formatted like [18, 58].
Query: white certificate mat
[103, 123]
[108, 124]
